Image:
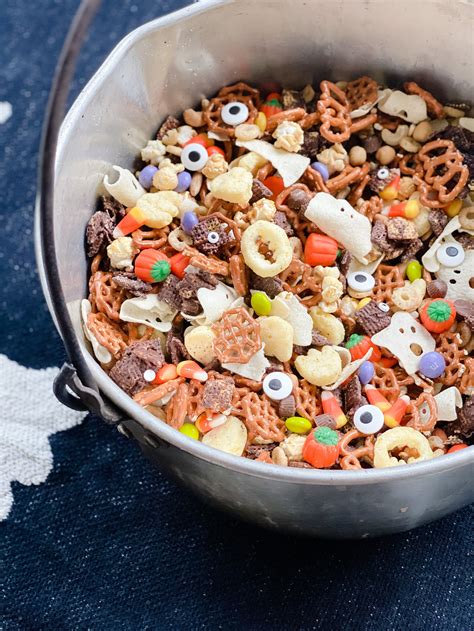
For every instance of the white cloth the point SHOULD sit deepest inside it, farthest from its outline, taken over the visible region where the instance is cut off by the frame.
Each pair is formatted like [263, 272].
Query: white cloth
[30, 414]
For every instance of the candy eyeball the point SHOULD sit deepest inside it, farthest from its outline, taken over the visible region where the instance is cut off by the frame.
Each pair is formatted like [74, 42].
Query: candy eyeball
[194, 157]
[213, 237]
[450, 254]
[368, 419]
[383, 306]
[425, 414]
[277, 386]
[383, 173]
[360, 281]
[234, 113]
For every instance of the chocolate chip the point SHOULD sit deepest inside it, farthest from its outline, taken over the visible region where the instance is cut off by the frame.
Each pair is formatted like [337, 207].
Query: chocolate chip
[298, 200]
[325, 420]
[438, 220]
[466, 240]
[281, 220]
[271, 286]
[254, 451]
[465, 422]
[136, 359]
[169, 292]
[399, 229]
[259, 191]
[352, 396]
[372, 144]
[436, 288]
[218, 393]
[170, 123]
[313, 143]
[132, 284]
[287, 407]
[371, 318]
[99, 232]
[319, 340]
[465, 310]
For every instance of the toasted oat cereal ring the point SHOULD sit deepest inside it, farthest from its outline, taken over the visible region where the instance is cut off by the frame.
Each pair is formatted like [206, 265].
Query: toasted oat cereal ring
[266, 249]
[398, 438]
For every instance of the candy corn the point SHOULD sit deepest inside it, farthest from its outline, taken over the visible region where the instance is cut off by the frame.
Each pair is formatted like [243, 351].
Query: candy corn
[166, 373]
[191, 370]
[376, 398]
[209, 420]
[390, 192]
[134, 219]
[394, 415]
[332, 407]
[409, 209]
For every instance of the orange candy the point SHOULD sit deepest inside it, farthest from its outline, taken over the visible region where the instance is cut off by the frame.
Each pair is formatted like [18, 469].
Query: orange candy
[179, 263]
[320, 250]
[212, 150]
[321, 448]
[190, 369]
[331, 406]
[457, 447]
[200, 139]
[166, 373]
[275, 184]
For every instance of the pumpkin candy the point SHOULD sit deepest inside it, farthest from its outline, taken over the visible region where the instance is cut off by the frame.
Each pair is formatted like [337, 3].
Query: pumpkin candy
[358, 346]
[152, 266]
[320, 250]
[272, 105]
[438, 315]
[321, 448]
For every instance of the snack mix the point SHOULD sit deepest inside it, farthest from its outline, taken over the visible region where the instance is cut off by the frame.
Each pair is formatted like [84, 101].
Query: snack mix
[288, 276]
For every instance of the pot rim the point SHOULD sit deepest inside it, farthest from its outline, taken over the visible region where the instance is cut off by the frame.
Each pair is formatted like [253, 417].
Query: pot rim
[56, 302]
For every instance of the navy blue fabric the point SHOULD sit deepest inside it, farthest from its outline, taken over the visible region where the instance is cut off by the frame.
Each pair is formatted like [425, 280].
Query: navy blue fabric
[108, 542]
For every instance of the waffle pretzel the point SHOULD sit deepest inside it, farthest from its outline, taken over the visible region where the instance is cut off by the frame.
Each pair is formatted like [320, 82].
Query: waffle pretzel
[261, 420]
[307, 399]
[387, 278]
[108, 333]
[237, 337]
[386, 382]
[434, 106]
[300, 277]
[238, 92]
[466, 386]
[334, 109]
[448, 345]
[361, 92]
[353, 455]
[105, 296]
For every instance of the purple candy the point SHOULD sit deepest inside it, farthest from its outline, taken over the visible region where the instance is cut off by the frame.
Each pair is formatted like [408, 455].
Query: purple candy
[321, 168]
[432, 365]
[146, 176]
[366, 372]
[188, 221]
[184, 181]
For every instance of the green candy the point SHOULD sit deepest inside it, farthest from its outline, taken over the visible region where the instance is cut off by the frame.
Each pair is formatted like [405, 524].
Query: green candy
[160, 271]
[414, 271]
[190, 430]
[261, 303]
[298, 424]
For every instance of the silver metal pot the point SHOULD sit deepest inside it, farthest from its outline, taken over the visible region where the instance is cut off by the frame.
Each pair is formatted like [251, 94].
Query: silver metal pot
[168, 65]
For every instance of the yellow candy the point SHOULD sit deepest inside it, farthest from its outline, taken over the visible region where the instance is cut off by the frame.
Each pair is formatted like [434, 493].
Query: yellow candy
[363, 302]
[261, 303]
[261, 121]
[298, 424]
[454, 208]
[190, 430]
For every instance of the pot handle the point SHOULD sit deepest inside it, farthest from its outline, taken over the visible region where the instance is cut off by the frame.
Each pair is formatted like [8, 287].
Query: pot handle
[71, 392]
